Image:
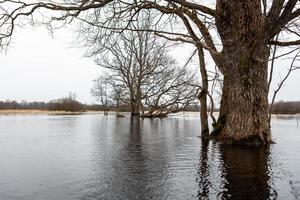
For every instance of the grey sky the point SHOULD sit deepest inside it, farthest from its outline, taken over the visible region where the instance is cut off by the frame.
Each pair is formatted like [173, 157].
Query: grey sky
[38, 67]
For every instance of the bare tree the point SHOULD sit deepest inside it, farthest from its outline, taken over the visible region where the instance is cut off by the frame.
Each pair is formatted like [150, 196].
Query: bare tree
[292, 68]
[170, 90]
[246, 29]
[139, 63]
[101, 93]
[131, 57]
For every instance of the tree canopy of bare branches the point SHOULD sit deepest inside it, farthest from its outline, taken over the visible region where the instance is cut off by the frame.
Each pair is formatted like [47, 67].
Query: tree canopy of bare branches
[139, 64]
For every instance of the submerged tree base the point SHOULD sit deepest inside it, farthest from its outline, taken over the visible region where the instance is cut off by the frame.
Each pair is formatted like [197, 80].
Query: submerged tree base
[154, 115]
[251, 140]
[255, 140]
[218, 127]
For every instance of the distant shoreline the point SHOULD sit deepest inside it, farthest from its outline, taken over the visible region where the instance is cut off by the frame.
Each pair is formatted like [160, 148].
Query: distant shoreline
[42, 112]
[6, 112]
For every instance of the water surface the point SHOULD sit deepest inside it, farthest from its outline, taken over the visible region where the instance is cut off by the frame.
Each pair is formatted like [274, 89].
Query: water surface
[98, 157]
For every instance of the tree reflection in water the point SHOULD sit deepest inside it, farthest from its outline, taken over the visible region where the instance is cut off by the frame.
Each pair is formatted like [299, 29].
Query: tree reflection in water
[244, 173]
[203, 172]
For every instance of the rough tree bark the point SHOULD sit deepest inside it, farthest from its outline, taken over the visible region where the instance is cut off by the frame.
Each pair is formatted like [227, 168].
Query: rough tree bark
[246, 55]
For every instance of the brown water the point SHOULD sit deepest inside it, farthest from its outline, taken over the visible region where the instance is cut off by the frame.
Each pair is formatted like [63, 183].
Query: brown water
[97, 157]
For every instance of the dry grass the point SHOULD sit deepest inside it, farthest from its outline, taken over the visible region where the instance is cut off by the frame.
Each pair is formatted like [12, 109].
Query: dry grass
[37, 112]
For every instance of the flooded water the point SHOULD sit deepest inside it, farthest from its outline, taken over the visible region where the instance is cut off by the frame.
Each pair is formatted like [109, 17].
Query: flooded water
[97, 157]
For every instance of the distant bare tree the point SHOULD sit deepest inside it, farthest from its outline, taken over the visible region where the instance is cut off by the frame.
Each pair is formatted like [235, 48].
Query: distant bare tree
[170, 91]
[109, 93]
[293, 67]
[68, 103]
[100, 92]
[138, 62]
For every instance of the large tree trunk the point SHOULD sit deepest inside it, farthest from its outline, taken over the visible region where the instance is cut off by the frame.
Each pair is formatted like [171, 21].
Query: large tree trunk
[246, 56]
[247, 117]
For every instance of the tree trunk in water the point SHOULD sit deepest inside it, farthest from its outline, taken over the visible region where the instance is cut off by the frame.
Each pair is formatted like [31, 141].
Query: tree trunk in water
[203, 95]
[136, 104]
[218, 127]
[247, 117]
[135, 109]
[246, 54]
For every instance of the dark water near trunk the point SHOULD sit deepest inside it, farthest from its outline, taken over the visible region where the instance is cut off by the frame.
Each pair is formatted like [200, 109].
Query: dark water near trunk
[96, 157]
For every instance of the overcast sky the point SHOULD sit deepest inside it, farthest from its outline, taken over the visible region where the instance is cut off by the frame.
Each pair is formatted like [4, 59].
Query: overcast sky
[38, 67]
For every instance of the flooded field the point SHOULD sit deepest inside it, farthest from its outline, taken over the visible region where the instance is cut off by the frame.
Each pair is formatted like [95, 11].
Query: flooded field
[95, 157]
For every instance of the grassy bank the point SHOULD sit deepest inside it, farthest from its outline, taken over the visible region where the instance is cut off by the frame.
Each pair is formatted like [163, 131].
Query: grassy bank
[37, 112]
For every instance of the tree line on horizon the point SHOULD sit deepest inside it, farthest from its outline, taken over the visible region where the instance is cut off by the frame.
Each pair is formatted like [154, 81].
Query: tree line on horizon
[66, 104]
